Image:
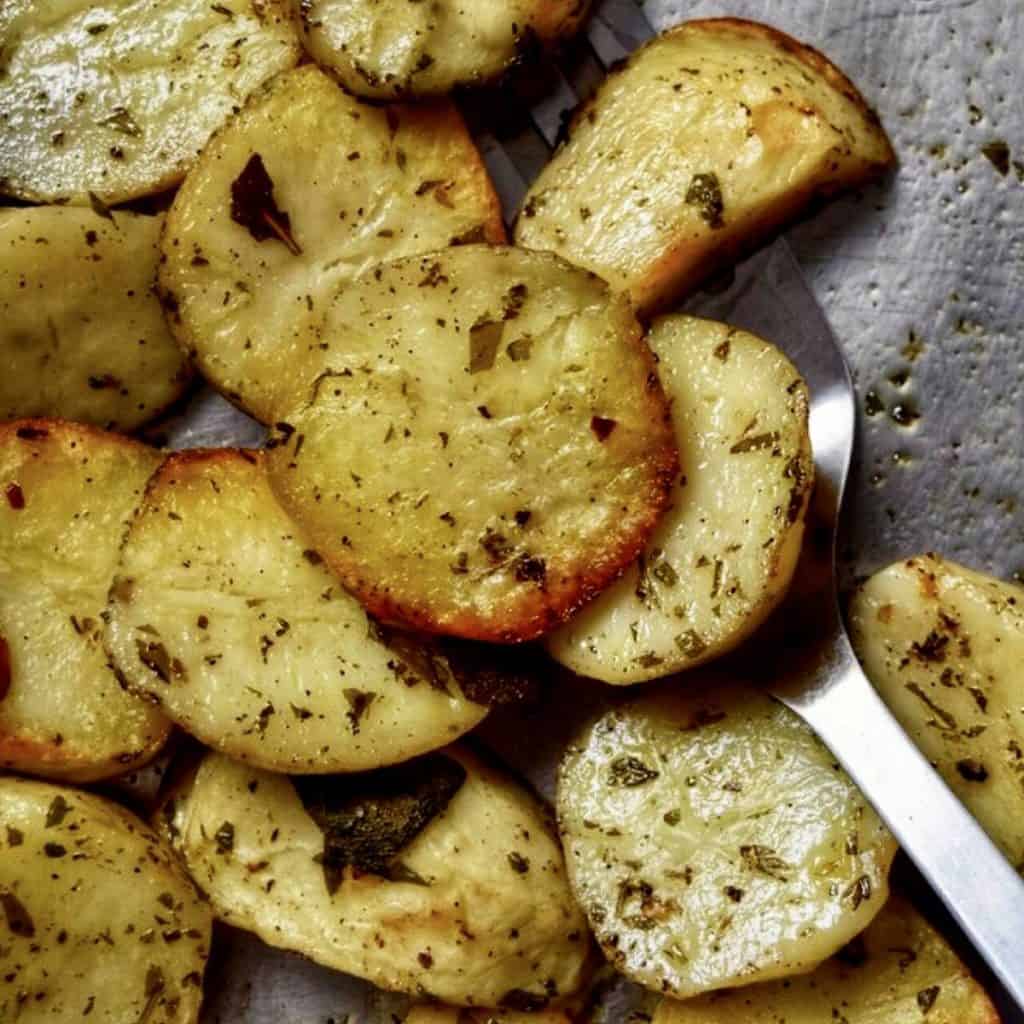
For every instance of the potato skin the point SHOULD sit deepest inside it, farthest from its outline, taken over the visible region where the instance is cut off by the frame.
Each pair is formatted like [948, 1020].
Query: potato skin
[710, 138]
[101, 919]
[66, 493]
[494, 924]
[943, 645]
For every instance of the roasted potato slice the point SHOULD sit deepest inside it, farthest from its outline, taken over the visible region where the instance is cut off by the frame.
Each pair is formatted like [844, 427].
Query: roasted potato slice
[103, 103]
[306, 188]
[485, 446]
[389, 49]
[723, 556]
[713, 841]
[82, 334]
[214, 587]
[899, 970]
[101, 920]
[440, 877]
[710, 138]
[455, 1015]
[68, 491]
[944, 646]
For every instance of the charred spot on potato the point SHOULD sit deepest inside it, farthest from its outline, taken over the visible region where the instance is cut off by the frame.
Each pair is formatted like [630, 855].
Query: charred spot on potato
[15, 496]
[19, 920]
[367, 819]
[706, 194]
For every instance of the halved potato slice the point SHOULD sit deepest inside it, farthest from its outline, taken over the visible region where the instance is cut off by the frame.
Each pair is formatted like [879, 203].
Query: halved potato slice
[485, 444]
[455, 1015]
[899, 970]
[99, 919]
[214, 590]
[713, 841]
[66, 494]
[944, 646]
[305, 189]
[710, 138]
[388, 49]
[103, 103]
[475, 908]
[723, 556]
[82, 334]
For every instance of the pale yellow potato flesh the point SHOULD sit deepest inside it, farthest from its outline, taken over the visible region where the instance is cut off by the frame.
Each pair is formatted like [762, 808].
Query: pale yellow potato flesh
[944, 646]
[482, 930]
[66, 494]
[710, 138]
[82, 334]
[461, 1015]
[485, 444]
[723, 556]
[713, 842]
[358, 184]
[214, 587]
[116, 99]
[899, 970]
[99, 920]
[389, 49]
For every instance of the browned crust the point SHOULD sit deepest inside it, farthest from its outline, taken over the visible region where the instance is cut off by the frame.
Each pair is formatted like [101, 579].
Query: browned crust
[535, 611]
[41, 431]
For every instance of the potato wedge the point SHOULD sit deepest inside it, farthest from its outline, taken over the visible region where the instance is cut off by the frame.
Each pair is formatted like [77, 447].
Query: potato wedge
[944, 647]
[82, 334]
[476, 909]
[455, 1015]
[346, 185]
[99, 919]
[214, 587]
[68, 492]
[485, 446]
[723, 556]
[709, 139]
[103, 103]
[390, 49]
[713, 841]
[899, 970]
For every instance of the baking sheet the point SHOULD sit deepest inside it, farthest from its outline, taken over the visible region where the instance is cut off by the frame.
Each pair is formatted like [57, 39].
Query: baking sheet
[921, 279]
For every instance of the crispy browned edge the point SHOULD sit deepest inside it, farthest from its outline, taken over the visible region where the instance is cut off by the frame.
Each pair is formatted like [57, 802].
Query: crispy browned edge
[447, 118]
[42, 757]
[536, 611]
[173, 176]
[553, 23]
[692, 261]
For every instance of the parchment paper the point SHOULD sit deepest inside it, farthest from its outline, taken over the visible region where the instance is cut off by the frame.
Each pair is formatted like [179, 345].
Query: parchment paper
[922, 279]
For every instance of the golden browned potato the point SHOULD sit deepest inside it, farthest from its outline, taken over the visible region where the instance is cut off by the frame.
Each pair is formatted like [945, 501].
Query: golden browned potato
[722, 558]
[66, 494]
[82, 334]
[944, 646]
[301, 192]
[709, 139]
[899, 970]
[713, 841]
[100, 103]
[214, 586]
[485, 444]
[100, 921]
[440, 877]
[387, 49]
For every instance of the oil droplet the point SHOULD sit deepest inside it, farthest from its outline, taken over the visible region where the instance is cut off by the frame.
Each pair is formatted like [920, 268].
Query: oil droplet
[899, 378]
[913, 348]
[873, 404]
[901, 458]
[877, 479]
[904, 414]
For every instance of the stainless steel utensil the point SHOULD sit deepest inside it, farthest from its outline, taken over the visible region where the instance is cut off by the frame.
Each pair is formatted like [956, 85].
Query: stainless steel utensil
[823, 682]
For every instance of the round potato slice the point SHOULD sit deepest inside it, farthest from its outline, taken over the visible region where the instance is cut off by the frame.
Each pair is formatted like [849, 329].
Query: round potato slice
[82, 334]
[106, 102]
[944, 647]
[391, 49]
[486, 444]
[899, 970]
[722, 558]
[214, 588]
[461, 893]
[306, 188]
[99, 921]
[67, 494]
[713, 841]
